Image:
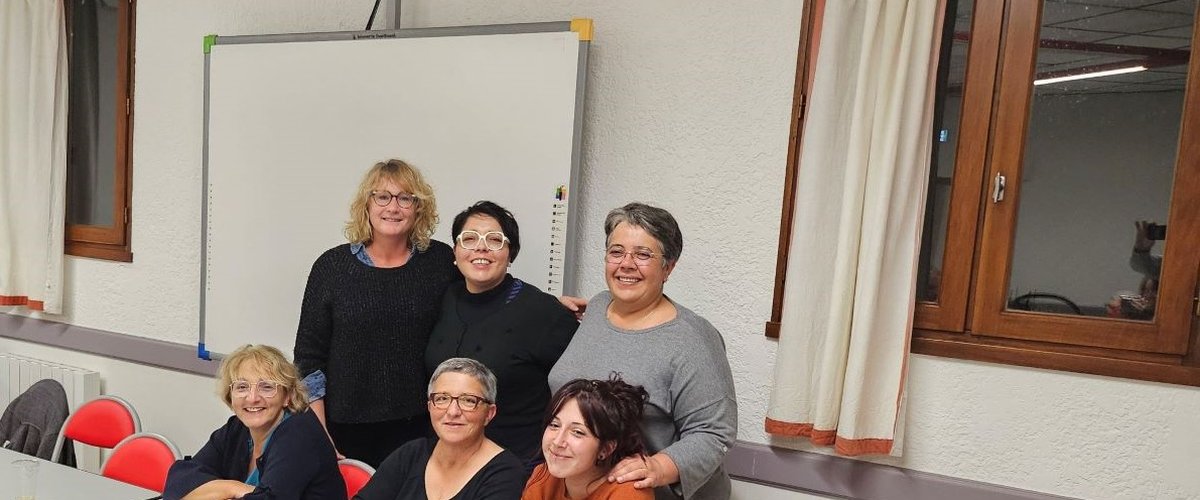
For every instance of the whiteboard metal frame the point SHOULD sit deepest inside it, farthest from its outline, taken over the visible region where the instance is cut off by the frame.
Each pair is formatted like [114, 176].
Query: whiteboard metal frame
[570, 279]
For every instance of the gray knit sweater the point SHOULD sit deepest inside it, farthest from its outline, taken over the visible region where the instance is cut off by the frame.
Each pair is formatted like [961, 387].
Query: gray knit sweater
[692, 412]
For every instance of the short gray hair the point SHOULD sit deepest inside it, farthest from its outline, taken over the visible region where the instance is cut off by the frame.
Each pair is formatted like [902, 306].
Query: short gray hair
[659, 223]
[467, 366]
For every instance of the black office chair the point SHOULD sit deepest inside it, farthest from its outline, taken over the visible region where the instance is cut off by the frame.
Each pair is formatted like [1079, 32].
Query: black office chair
[1044, 302]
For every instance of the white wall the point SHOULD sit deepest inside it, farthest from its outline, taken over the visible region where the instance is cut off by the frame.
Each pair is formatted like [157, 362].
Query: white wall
[688, 108]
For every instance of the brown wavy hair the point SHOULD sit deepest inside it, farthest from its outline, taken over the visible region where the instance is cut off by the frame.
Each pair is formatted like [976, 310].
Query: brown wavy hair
[612, 411]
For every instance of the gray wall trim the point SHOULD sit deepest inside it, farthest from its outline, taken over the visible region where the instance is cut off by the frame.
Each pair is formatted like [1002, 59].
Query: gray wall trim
[753, 462]
[141, 350]
[848, 478]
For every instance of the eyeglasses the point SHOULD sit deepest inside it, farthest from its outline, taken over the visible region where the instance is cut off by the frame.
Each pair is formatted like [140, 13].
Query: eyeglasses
[641, 257]
[383, 198]
[492, 240]
[467, 402]
[266, 388]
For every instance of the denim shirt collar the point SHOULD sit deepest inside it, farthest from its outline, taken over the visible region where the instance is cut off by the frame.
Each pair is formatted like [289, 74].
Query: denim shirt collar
[360, 250]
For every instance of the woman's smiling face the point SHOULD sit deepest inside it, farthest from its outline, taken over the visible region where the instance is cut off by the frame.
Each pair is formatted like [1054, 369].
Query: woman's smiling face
[482, 268]
[631, 281]
[453, 424]
[257, 411]
[569, 446]
[391, 220]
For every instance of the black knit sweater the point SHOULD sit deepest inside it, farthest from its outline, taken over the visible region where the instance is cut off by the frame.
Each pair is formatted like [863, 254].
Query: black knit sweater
[366, 328]
[517, 332]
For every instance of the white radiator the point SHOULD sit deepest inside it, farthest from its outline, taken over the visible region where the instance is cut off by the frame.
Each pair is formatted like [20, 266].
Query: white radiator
[17, 373]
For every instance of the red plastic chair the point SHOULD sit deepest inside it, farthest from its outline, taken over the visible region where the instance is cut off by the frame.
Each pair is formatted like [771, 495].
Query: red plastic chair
[142, 459]
[356, 474]
[102, 422]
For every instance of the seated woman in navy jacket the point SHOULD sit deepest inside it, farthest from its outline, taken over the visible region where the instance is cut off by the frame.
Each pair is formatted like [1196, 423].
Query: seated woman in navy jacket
[271, 448]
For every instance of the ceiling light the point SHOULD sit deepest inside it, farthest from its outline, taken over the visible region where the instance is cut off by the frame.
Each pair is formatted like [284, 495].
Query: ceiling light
[1093, 74]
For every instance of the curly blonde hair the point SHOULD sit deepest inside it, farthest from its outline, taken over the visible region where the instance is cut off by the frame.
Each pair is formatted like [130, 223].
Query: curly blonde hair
[272, 363]
[358, 228]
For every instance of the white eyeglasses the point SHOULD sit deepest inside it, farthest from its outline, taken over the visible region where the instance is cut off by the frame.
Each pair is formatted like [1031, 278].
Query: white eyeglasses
[492, 240]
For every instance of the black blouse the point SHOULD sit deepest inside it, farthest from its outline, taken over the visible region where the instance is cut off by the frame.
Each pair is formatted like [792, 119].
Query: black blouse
[402, 476]
[517, 331]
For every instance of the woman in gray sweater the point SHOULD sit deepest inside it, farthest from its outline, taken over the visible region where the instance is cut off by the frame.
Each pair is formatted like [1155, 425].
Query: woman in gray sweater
[677, 356]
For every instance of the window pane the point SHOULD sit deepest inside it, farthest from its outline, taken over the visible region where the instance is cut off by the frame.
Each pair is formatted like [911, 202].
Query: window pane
[91, 121]
[952, 70]
[1099, 155]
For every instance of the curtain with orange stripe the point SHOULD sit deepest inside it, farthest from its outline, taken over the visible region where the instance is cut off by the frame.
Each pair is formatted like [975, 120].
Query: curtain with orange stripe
[33, 147]
[860, 196]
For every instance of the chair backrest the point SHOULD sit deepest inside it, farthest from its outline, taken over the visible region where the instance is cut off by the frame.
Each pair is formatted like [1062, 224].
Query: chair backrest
[142, 459]
[356, 474]
[31, 422]
[101, 422]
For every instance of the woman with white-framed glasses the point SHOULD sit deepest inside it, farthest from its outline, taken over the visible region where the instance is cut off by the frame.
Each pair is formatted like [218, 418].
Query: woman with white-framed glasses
[634, 329]
[510, 325]
[368, 309]
[461, 462]
[271, 447]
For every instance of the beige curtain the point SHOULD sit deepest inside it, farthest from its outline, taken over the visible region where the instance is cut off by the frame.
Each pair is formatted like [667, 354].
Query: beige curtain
[33, 147]
[860, 193]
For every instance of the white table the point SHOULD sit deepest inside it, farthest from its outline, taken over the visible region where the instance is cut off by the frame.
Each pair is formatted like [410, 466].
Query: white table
[59, 482]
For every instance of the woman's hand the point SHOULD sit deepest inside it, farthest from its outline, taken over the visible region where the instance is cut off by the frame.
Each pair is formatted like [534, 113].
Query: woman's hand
[576, 305]
[1142, 242]
[318, 409]
[649, 472]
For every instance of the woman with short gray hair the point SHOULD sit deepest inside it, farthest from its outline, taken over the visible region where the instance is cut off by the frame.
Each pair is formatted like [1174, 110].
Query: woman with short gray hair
[461, 462]
[633, 328]
[470, 367]
[658, 223]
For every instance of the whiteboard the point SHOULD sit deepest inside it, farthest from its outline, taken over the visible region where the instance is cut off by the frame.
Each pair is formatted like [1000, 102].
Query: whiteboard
[292, 122]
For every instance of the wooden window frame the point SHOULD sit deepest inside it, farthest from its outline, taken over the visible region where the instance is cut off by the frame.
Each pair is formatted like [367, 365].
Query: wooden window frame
[1168, 333]
[112, 242]
[806, 60]
[971, 293]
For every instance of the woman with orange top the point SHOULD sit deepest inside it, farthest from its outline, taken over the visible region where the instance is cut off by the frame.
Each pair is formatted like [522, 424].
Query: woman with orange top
[590, 426]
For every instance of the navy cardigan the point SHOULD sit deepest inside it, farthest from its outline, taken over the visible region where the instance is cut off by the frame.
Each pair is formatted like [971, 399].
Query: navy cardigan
[299, 462]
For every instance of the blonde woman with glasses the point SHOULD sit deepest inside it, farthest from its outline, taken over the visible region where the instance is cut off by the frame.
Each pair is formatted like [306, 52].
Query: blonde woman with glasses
[461, 463]
[368, 308]
[270, 448]
[511, 326]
